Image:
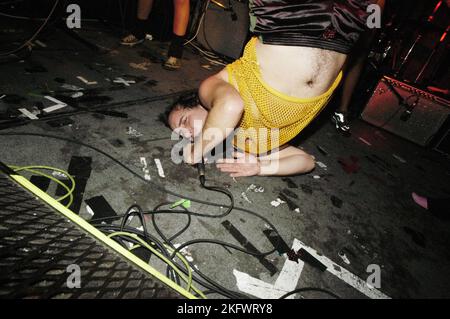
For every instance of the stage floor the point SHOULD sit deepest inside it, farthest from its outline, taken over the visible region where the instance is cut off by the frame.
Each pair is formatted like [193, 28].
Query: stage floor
[355, 208]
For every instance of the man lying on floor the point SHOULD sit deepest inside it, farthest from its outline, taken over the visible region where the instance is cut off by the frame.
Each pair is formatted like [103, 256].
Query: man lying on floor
[286, 76]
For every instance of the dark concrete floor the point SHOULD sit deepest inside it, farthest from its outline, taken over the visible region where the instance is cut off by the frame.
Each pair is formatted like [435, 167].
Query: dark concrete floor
[368, 213]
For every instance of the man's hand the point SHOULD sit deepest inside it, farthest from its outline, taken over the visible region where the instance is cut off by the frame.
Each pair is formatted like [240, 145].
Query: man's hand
[243, 164]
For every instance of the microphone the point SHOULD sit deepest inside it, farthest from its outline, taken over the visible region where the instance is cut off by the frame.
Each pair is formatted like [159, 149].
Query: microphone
[201, 172]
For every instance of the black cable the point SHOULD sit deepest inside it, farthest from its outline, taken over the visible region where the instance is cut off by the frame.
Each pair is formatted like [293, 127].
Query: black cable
[160, 233]
[214, 285]
[156, 186]
[151, 240]
[163, 237]
[162, 189]
[210, 284]
[169, 272]
[310, 289]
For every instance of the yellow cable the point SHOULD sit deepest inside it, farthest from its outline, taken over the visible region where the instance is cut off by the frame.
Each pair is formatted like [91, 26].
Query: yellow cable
[181, 257]
[32, 168]
[100, 236]
[160, 256]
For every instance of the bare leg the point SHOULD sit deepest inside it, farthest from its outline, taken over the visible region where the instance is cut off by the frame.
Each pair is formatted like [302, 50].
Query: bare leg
[180, 24]
[181, 17]
[144, 8]
[138, 33]
[353, 75]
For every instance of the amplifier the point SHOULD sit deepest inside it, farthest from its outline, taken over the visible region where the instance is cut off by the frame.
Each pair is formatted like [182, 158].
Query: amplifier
[224, 27]
[406, 111]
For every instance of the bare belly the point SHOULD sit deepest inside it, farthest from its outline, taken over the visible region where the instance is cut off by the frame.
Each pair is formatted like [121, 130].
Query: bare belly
[298, 71]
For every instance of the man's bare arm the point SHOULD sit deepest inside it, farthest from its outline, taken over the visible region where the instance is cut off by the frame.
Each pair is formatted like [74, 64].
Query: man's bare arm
[225, 107]
[289, 161]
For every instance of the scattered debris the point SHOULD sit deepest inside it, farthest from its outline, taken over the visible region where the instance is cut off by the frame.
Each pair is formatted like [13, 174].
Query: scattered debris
[183, 202]
[145, 169]
[133, 132]
[321, 165]
[255, 188]
[186, 253]
[244, 196]
[206, 66]
[277, 202]
[316, 177]
[82, 79]
[141, 66]
[398, 158]
[77, 95]
[344, 257]
[59, 175]
[89, 210]
[1, 97]
[160, 168]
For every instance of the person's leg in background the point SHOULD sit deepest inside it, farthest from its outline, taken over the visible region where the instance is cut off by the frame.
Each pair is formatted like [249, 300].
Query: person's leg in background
[138, 34]
[180, 24]
[353, 70]
[355, 66]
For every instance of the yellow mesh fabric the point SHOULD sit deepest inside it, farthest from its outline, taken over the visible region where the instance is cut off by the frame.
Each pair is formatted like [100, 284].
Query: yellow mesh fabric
[266, 108]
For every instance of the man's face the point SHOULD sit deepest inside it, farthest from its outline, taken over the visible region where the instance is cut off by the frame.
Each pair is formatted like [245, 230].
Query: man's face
[188, 122]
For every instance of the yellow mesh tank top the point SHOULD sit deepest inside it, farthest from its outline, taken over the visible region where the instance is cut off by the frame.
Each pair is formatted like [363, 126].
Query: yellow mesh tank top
[271, 118]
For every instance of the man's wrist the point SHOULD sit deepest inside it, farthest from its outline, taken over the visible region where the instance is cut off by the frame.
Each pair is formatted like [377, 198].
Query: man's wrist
[265, 168]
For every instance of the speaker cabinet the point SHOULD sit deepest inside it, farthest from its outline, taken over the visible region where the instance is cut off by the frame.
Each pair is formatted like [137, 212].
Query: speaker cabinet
[224, 28]
[406, 111]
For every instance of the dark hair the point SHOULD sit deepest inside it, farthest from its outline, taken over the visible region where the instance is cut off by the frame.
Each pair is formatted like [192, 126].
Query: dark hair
[185, 101]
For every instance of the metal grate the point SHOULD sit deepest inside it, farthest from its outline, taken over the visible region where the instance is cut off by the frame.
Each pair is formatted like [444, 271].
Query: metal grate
[37, 245]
